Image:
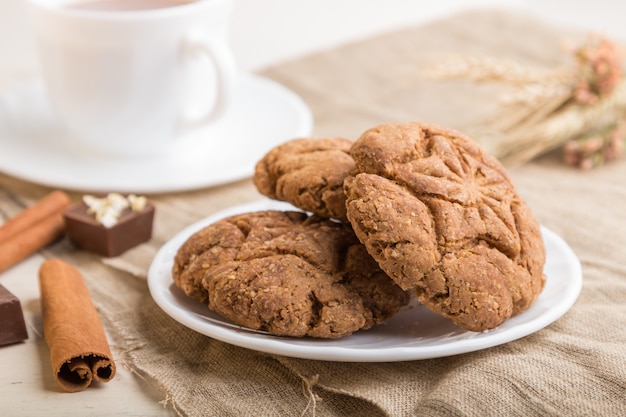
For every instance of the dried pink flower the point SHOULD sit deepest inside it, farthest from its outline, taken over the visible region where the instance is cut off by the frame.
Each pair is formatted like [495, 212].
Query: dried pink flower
[595, 148]
[600, 67]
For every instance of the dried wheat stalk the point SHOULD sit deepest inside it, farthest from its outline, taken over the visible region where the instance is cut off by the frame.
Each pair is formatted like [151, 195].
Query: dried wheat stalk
[545, 110]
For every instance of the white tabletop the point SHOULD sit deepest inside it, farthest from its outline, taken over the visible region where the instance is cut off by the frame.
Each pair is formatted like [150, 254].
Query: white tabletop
[264, 33]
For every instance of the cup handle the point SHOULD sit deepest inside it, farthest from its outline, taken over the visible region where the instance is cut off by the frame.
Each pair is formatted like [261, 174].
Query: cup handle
[226, 73]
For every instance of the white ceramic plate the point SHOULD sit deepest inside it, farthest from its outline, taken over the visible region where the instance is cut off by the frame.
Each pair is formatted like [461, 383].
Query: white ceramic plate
[33, 144]
[414, 333]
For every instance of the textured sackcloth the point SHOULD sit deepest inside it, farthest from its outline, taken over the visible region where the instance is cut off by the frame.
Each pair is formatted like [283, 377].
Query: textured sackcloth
[574, 367]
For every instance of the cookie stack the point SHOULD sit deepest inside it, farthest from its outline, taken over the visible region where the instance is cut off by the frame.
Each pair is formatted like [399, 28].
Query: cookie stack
[405, 210]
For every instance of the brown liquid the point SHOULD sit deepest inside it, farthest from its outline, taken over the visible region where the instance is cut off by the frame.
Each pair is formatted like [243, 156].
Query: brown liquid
[125, 5]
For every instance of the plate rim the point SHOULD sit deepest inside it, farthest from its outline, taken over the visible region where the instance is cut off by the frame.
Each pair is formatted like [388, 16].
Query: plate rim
[321, 349]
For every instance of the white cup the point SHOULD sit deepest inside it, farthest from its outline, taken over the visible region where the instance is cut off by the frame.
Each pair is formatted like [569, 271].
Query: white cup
[120, 80]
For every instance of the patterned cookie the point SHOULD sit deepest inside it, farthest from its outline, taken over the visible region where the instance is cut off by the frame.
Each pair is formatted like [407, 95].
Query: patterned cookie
[307, 173]
[443, 218]
[287, 273]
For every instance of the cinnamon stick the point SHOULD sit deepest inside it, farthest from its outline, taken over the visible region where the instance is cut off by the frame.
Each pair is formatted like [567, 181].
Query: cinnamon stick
[30, 240]
[79, 351]
[54, 202]
[33, 229]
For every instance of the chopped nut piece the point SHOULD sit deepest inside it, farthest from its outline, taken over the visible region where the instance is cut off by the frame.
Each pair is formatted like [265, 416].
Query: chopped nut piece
[109, 226]
[137, 203]
[107, 210]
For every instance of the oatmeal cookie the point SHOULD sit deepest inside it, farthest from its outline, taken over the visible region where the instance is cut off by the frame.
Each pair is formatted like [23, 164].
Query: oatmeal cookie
[443, 218]
[287, 273]
[307, 173]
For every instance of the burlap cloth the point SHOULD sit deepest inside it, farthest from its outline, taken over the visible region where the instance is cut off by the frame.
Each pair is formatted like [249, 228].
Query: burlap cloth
[574, 367]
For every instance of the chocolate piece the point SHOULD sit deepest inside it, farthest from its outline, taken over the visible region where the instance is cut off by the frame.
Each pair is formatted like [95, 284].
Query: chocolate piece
[12, 326]
[85, 232]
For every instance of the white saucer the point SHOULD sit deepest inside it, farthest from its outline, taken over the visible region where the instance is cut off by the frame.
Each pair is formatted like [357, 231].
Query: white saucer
[265, 114]
[412, 334]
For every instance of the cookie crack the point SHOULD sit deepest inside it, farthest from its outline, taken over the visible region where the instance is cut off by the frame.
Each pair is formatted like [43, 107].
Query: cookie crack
[309, 194]
[316, 310]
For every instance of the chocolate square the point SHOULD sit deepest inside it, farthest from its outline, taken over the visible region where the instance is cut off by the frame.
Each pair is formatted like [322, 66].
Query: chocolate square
[85, 232]
[12, 325]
